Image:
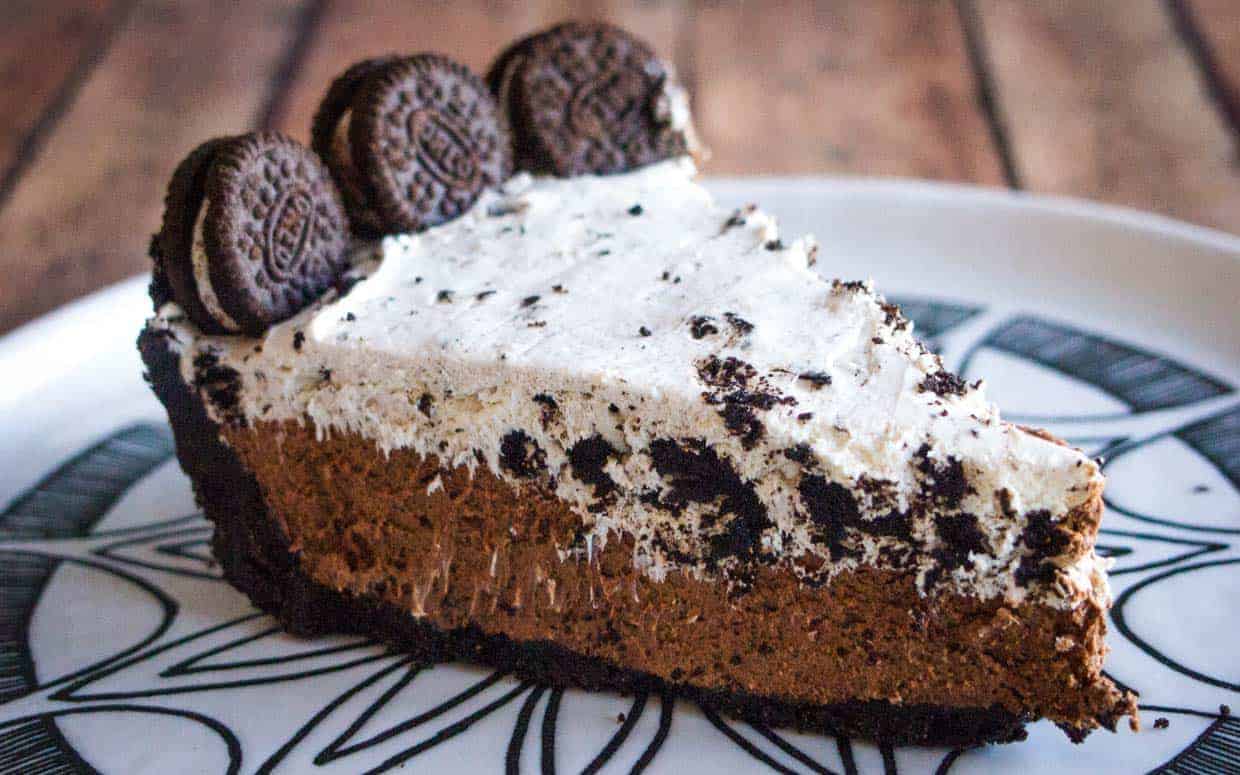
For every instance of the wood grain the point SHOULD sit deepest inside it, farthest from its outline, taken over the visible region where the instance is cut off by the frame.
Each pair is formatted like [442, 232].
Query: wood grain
[1217, 22]
[872, 88]
[1129, 101]
[1103, 100]
[471, 31]
[176, 74]
[44, 50]
[900, 70]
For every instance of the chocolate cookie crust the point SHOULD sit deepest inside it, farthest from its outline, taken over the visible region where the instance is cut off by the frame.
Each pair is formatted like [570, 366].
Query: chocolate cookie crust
[269, 547]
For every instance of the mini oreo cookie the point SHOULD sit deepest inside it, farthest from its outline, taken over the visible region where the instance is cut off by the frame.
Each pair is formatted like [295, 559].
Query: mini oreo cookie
[253, 231]
[589, 98]
[411, 141]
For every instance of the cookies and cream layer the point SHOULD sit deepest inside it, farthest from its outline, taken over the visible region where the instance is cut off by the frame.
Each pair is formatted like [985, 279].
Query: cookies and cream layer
[680, 375]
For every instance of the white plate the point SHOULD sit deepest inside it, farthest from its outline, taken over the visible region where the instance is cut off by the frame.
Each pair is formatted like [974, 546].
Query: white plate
[121, 650]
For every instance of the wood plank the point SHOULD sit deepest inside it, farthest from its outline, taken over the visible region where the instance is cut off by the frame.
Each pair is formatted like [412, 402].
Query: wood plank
[1217, 22]
[175, 74]
[880, 87]
[1103, 100]
[45, 48]
[471, 31]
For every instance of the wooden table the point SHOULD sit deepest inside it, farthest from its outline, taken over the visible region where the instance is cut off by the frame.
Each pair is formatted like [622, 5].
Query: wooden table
[1128, 101]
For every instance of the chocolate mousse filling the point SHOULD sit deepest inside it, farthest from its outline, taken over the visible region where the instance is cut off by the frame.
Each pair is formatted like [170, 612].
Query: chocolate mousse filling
[467, 568]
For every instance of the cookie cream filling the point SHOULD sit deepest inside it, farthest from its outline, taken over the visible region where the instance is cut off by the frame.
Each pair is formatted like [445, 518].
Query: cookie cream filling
[679, 375]
[341, 149]
[202, 274]
[672, 106]
[347, 175]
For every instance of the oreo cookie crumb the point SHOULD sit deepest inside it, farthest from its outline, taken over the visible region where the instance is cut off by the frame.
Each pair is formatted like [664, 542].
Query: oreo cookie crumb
[530, 301]
[696, 474]
[350, 317]
[587, 458]
[636, 210]
[644, 331]
[801, 453]
[521, 456]
[425, 403]
[742, 393]
[944, 482]
[483, 295]
[775, 244]
[742, 421]
[550, 409]
[1043, 539]
[221, 384]
[893, 316]
[444, 297]
[559, 289]
[701, 326]
[739, 217]
[805, 416]
[739, 324]
[299, 338]
[832, 508]
[1162, 722]
[942, 384]
[816, 379]
[960, 536]
[727, 373]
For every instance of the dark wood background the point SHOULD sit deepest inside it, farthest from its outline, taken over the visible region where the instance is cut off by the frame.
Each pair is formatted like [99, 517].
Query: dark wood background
[1127, 101]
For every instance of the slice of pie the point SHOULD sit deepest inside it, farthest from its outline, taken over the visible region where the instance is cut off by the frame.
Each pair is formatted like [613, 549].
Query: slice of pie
[591, 428]
[601, 432]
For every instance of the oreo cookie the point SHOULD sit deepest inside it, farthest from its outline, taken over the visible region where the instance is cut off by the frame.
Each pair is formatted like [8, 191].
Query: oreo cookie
[411, 141]
[253, 231]
[589, 98]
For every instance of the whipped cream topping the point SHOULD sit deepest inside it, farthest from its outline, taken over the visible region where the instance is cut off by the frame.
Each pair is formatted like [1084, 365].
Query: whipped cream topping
[633, 310]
